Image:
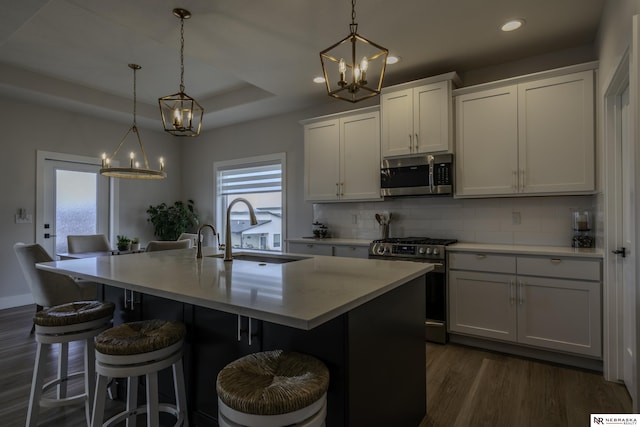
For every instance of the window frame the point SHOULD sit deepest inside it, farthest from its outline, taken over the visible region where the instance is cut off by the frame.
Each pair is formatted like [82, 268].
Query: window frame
[219, 208]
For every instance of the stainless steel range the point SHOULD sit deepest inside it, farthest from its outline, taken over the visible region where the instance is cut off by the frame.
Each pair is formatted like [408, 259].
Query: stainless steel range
[423, 249]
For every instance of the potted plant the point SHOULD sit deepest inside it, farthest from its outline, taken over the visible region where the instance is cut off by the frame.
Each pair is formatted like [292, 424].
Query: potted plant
[169, 221]
[135, 244]
[124, 243]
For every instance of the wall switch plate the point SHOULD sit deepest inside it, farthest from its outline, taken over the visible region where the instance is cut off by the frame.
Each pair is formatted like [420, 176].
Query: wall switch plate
[26, 219]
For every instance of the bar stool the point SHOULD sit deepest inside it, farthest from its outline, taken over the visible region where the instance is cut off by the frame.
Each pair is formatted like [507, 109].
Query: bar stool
[141, 348]
[62, 324]
[273, 389]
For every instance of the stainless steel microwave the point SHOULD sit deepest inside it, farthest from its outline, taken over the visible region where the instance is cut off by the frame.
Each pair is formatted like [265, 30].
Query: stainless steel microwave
[425, 175]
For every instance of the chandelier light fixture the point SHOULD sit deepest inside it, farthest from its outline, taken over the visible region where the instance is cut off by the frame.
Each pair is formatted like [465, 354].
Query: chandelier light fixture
[134, 170]
[354, 67]
[181, 114]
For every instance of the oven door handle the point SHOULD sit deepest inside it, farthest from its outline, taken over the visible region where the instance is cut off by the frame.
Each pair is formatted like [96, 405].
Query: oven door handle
[431, 183]
[433, 323]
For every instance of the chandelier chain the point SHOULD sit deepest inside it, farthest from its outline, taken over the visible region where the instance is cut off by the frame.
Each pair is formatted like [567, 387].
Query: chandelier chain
[353, 11]
[181, 54]
[134, 95]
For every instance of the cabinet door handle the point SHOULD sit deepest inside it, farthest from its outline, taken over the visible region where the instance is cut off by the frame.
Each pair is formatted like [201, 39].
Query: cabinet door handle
[129, 301]
[337, 189]
[239, 328]
[309, 246]
[522, 183]
[481, 256]
[521, 292]
[512, 292]
[416, 144]
[341, 189]
[250, 334]
[410, 144]
[555, 260]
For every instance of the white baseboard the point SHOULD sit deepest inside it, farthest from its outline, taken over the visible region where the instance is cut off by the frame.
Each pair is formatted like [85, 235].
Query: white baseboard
[16, 301]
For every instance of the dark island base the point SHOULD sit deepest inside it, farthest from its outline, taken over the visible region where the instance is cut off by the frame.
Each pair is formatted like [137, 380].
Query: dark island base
[375, 354]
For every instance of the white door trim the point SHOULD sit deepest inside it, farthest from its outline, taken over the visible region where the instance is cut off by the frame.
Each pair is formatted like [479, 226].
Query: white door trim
[612, 287]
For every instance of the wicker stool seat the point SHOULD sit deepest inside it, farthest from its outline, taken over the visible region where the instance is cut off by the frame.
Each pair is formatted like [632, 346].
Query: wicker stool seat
[62, 324]
[273, 388]
[141, 348]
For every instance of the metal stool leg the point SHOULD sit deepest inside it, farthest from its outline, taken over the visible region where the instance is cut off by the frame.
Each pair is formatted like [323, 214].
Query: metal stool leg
[99, 401]
[36, 385]
[132, 400]
[152, 399]
[178, 386]
[63, 369]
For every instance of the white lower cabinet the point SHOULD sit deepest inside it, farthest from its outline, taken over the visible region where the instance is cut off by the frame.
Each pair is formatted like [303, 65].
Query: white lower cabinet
[329, 249]
[547, 302]
[482, 304]
[310, 248]
[351, 251]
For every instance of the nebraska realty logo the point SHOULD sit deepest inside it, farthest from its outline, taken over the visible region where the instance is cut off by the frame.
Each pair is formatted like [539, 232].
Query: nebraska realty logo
[615, 419]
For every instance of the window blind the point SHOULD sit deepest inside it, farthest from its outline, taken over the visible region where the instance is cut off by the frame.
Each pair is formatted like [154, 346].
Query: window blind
[263, 178]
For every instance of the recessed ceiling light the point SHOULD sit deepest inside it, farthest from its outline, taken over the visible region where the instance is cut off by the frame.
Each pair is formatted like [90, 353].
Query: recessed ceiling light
[392, 59]
[318, 79]
[512, 25]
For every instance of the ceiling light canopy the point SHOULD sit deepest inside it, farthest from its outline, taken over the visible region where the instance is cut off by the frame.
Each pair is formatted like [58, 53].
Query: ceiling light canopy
[181, 114]
[354, 67]
[134, 170]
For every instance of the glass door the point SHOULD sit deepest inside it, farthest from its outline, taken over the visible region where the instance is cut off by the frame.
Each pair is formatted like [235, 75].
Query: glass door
[74, 200]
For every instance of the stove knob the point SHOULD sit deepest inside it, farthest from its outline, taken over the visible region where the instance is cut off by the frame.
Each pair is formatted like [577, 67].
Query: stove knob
[436, 251]
[428, 251]
[421, 251]
[381, 250]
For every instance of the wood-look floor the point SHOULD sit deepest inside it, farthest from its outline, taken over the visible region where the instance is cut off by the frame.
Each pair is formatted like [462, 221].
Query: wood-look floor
[465, 387]
[17, 356]
[470, 387]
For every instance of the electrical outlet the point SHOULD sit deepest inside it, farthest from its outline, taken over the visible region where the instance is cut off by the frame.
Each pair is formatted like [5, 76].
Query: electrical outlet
[516, 218]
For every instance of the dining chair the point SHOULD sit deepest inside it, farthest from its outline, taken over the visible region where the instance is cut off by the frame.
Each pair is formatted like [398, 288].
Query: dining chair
[50, 289]
[164, 245]
[88, 243]
[193, 237]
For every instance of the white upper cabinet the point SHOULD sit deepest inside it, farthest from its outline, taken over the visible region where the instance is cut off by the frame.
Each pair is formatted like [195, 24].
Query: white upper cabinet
[532, 137]
[417, 120]
[487, 142]
[342, 157]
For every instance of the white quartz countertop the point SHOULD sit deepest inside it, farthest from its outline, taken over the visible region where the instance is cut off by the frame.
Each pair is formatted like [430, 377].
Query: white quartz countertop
[302, 294]
[331, 241]
[527, 250]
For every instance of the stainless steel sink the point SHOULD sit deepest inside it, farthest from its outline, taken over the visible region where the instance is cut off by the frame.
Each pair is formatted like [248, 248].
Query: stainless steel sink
[264, 258]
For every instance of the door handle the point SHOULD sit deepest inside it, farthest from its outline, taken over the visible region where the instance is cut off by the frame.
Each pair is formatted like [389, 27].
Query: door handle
[622, 251]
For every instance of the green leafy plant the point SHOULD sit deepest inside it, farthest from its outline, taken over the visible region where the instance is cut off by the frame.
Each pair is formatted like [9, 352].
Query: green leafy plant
[123, 242]
[135, 240]
[169, 221]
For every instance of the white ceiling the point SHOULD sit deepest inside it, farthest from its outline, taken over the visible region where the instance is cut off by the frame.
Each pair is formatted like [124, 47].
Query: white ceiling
[246, 59]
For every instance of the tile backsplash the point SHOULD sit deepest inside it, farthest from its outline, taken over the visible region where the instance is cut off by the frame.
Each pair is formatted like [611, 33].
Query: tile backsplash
[529, 220]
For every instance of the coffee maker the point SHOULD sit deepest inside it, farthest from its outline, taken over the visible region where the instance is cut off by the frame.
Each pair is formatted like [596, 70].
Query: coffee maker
[582, 229]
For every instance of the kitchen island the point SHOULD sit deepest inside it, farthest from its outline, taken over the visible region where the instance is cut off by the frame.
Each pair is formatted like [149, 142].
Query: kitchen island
[363, 318]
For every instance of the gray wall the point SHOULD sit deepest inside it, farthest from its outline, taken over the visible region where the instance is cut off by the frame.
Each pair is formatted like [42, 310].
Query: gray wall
[27, 128]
